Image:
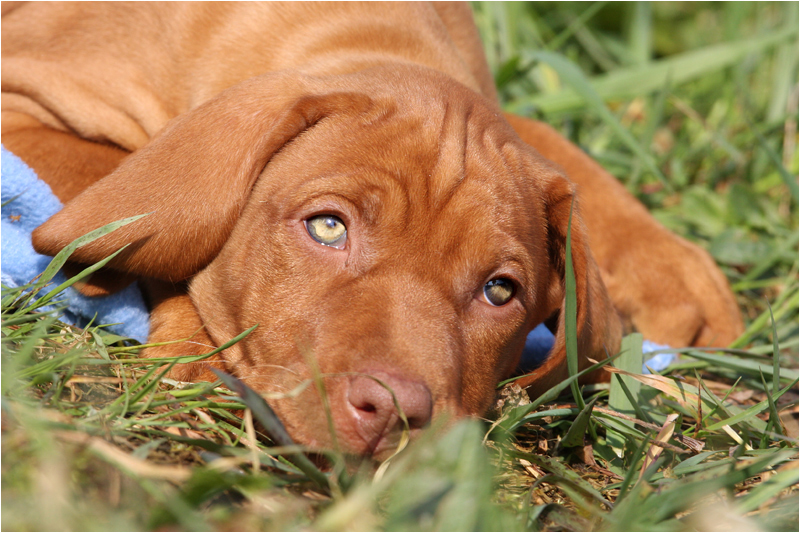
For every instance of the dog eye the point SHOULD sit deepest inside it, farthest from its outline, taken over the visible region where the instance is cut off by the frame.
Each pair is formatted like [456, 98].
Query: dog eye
[328, 230]
[498, 291]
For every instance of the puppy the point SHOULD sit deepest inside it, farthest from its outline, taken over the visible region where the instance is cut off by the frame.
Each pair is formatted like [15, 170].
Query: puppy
[342, 176]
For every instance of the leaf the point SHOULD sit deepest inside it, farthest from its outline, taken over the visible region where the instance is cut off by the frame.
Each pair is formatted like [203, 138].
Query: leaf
[576, 432]
[736, 246]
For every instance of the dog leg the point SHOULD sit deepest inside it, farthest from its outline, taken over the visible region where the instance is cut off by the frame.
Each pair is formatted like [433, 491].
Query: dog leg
[174, 317]
[664, 286]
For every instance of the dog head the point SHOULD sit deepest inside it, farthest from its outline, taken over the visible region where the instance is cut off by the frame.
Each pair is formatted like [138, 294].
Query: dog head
[387, 230]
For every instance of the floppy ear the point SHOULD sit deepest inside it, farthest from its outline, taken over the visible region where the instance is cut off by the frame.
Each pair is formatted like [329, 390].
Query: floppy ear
[599, 329]
[195, 176]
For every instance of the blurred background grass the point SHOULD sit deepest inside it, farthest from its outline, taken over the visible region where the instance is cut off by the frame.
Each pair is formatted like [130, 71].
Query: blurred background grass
[693, 105]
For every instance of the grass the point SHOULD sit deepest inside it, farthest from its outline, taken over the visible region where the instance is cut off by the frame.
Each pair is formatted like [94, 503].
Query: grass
[694, 107]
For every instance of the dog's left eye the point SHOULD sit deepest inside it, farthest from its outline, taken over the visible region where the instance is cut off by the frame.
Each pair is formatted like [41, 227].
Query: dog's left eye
[328, 230]
[498, 291]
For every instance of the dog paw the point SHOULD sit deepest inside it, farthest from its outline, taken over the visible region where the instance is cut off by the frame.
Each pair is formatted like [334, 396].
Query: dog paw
[673, 292]
[174, 318]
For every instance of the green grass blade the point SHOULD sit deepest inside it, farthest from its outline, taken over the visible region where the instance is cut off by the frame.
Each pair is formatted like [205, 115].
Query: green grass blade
[751, 412]
[680, 496]
[577, 431]
[182, 358]
[785, 304]
[627, 481]
[788, 179]
[776, 354]
[774, 420]
[551, 464]
[17, 362]
[640, 33]
[694, 463]
[62, 256]
[619, 399]
[765, 491]
[744, 366]
[568, 32]
[515, 417]
[44, 300]
[681, 68]
[571, 314]
[572, 75]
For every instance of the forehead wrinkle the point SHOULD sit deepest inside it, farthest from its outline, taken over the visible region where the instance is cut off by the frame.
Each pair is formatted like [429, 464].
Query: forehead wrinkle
[487, 228]
[449, 165]
[471, 148]
[469, 161]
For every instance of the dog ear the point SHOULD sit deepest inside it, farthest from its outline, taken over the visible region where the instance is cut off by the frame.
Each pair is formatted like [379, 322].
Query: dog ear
[599, 329]
[195, 176]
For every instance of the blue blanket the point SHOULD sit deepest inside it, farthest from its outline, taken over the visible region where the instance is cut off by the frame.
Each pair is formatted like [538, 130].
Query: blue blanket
[27, 202]
[31, 203]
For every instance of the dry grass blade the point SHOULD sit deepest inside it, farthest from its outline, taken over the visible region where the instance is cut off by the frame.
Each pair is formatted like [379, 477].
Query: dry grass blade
[693, 444]
[667, 385]
[656, 446]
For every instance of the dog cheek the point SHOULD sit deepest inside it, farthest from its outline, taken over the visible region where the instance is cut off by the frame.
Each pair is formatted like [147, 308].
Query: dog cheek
[490, 356]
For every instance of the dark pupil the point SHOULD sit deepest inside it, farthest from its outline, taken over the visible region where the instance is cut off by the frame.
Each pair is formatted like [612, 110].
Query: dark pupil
[330, 222]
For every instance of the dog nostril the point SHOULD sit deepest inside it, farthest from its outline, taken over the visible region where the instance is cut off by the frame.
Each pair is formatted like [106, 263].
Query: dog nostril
[367, 408]
[415, 422]
[374, 412]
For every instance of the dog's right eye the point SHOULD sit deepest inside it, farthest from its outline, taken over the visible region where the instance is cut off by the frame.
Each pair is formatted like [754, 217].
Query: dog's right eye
[498, 291]
[328, 230]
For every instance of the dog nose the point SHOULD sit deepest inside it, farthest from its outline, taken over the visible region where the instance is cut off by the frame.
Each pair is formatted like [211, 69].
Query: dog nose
[375, 416]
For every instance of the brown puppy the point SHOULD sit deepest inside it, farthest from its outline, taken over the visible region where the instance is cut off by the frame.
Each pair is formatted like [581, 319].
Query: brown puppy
[341, 175]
